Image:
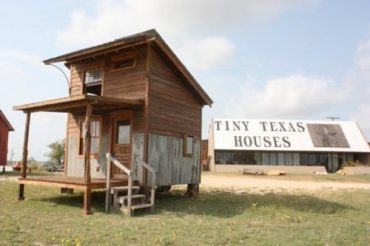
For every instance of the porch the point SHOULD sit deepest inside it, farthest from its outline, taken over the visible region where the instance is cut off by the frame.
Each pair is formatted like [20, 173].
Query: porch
[72, 182]
[85, 105]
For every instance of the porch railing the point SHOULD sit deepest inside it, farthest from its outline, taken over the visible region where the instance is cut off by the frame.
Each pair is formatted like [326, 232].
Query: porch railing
[153, 181]
[111, 160]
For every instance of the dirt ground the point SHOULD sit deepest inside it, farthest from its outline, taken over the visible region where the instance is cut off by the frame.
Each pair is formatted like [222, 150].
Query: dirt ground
[265, 184]
[8, 178]
[274, 184]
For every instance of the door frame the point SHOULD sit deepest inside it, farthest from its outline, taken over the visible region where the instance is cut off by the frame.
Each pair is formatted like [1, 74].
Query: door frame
[114, 117]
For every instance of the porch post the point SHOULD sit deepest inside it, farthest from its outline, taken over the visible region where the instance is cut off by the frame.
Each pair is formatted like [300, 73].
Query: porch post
[87, 148]
[24, 156]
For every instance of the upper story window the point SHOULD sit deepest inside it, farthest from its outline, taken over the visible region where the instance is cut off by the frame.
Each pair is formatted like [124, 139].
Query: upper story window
[93, 81]
[93, 76]
[123, 61]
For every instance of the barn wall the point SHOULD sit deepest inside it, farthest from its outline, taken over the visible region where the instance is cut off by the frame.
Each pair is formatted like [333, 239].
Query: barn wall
[165, 155]
[4, 133]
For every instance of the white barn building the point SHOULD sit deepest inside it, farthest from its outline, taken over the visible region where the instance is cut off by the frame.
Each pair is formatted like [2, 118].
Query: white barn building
[290, 145]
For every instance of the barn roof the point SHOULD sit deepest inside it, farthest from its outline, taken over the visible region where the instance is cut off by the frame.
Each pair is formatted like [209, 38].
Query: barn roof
[133, 40]
[7, 123]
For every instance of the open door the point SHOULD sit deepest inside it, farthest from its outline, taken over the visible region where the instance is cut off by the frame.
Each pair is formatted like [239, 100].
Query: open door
[121, 143]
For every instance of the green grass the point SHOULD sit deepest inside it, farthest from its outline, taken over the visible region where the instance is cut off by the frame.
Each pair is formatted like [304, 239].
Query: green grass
[33, 173]
[215, 218]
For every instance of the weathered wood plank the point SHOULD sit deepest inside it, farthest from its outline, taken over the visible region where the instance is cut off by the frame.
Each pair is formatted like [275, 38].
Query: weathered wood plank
[166, 157]
[24, 155]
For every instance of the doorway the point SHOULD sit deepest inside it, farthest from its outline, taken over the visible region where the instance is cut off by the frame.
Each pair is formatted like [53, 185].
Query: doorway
[121, 143]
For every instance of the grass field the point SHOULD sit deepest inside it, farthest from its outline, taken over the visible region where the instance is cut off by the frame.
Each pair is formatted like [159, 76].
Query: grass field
[217, 217]
[33, 173]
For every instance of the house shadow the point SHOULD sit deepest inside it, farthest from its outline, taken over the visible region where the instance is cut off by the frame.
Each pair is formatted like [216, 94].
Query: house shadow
[221, 204]
[228, 204]
[76, 200]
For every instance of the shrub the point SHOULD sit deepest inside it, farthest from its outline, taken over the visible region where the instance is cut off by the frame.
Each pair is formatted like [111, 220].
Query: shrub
[352, 163]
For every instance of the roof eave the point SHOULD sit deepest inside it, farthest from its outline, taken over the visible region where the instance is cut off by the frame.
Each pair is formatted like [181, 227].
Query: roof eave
[163, 45]
[133, 40]
[2, 116]
[105, 47]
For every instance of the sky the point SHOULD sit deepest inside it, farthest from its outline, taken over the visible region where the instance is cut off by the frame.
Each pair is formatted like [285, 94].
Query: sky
[279, 59]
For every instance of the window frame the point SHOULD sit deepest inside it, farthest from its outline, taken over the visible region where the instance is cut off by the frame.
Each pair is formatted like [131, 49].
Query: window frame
[92, 84]
[116, 135]
[80, 149]
[120, 58]
[185, 146]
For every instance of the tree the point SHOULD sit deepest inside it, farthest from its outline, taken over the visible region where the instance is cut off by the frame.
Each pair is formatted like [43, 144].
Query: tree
[56, 154]
[33, 164]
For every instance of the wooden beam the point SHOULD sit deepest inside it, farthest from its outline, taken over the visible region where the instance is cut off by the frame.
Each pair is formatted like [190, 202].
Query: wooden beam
[87, 201]
[87, 149]
[146, 113]
[71, 103]
[25, 155]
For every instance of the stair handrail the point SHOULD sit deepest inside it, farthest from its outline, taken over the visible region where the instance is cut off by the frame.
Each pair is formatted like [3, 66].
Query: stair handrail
[110, 160]
[153, 183]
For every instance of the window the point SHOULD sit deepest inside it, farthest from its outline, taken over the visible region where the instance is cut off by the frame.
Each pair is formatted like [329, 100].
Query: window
[124, 63]
[188, 145]
[289, 158]
[281, 158]
[303, 159]
[273, 158]
[93, 76]
[265, 158]
[93, 81]
[95, 136]
[123, 132]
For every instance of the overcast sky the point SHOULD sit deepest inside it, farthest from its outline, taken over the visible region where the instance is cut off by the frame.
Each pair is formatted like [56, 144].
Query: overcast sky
[284, 59]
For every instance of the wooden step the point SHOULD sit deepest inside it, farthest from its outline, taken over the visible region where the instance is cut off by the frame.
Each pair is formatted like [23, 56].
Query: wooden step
[140, 206]
[123, 188]
[122, 199]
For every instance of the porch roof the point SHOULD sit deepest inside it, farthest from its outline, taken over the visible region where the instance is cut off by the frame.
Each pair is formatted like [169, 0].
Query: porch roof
[75, 104]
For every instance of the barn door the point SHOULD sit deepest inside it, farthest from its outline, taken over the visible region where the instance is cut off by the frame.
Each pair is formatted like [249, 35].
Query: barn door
[121, 146]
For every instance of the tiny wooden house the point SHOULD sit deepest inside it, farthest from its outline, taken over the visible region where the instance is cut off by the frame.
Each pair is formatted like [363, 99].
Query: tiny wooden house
[134, 99]
[5, 128]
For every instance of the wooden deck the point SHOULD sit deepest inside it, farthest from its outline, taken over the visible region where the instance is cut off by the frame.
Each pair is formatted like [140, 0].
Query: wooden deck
[71, 182]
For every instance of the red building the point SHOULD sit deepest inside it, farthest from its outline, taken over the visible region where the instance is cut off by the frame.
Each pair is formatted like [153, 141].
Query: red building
[5, 127]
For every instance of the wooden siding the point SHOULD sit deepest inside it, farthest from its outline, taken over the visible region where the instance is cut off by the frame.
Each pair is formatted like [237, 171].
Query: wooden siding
[76, 80]
[129, 82]
[72, 125]
[124, 83]
[172, 110]
[4, 133]
[166, 157]
[173, 107]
